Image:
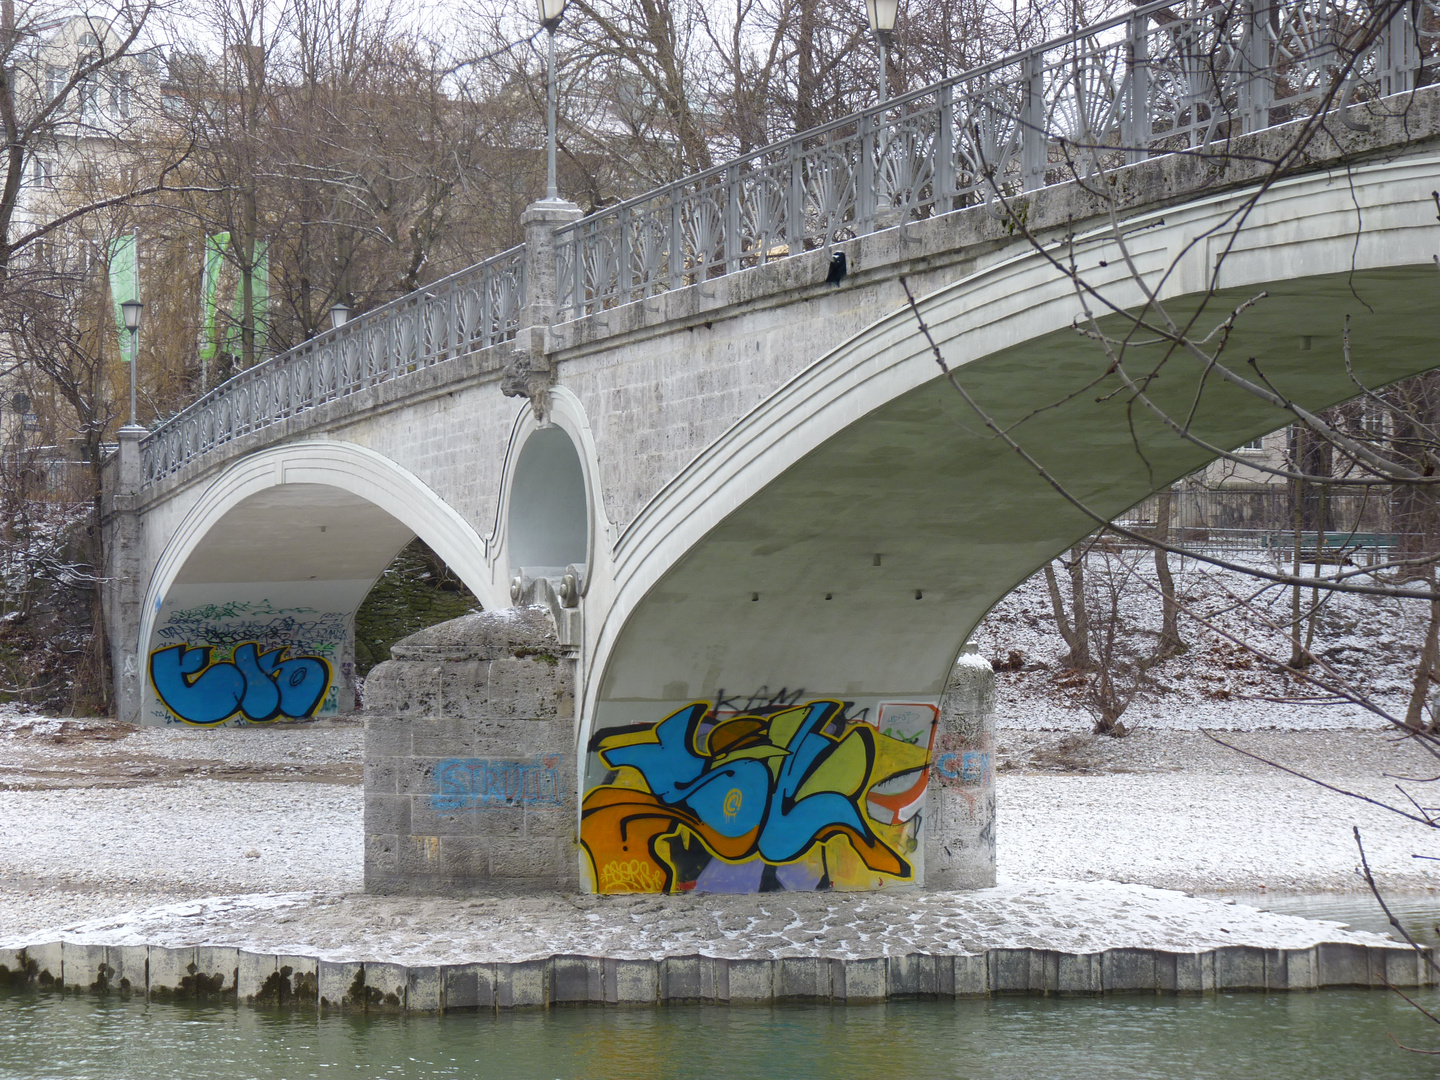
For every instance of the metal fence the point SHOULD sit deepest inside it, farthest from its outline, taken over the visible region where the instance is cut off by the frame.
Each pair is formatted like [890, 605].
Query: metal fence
[470, 310]
[1165, 78]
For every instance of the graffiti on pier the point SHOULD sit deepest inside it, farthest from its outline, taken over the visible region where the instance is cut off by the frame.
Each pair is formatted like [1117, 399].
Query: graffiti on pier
[473, 783]
[964, 766]
[777, 796]
[260, 686]
[228, 625]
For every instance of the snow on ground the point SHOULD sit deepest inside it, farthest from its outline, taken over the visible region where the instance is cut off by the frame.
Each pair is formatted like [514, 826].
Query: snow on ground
[1370, 644]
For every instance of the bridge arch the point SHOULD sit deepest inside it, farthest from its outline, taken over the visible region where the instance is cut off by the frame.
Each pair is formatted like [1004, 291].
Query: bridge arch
[842, 539]
[334, 514]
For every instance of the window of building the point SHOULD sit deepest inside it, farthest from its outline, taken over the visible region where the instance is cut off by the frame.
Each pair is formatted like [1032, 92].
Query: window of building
[55, 79]
[120, 95]
[40, 172]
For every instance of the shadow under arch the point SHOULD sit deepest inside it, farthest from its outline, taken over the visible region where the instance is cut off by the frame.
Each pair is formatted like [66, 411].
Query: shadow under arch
[306, 523]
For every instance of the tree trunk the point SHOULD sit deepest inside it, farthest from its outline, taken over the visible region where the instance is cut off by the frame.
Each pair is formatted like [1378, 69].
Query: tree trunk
[1425, 671]
[1076, 634]
[1171, 644]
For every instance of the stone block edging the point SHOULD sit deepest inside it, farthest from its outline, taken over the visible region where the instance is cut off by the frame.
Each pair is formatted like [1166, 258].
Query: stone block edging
[266, 979]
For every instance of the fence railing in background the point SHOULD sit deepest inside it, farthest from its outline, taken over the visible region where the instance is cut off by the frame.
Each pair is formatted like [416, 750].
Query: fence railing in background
[1165, 78]
[470, 310]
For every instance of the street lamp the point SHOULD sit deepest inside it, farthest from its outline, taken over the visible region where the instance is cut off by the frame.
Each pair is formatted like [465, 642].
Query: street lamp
[882, 24]
[339, 315]
[131, 310]
[549, 12]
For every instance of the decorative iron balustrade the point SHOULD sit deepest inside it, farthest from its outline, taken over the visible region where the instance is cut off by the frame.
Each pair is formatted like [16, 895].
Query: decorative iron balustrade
[1167, 77]
[467, 311]
[1164, 78]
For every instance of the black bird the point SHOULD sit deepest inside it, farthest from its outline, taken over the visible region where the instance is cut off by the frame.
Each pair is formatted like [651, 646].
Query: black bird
[837, 269]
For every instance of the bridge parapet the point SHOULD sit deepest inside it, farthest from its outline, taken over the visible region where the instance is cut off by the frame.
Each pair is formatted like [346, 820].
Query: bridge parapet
[463, 313]
[1138, 85]
[1148, 83]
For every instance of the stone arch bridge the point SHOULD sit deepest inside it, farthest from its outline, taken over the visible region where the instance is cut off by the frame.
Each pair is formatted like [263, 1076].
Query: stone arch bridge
[748, 498]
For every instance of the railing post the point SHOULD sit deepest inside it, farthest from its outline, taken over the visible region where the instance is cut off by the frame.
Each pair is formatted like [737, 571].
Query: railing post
[731, 237]
[1034, 139]
[677, 241]
[1135, 127]
[866, 178]
[1257, 87]
[795, 209]
[529, 374]
[944, 192]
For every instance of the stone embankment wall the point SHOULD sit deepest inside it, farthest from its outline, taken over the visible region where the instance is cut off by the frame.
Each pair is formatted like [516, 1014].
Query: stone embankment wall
[228, 974]
[469, 759]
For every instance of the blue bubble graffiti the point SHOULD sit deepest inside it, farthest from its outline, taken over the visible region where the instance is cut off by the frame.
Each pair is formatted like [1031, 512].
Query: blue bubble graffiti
[259, 686]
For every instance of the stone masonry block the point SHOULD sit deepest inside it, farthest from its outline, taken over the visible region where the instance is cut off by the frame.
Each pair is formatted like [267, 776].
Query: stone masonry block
[424, 989]
[1239, 967]
[1127, 969]
[47, 964]
[468, 986]
[386, 736]
[576, 979]
[867, 979]
[301, 974]
[216, 968]
[16, 969]
[85, 968]
[381, 774]
[1194, 973]
[488, 821]
[382, 860]
[971, 975]
[519, 858]
[386, 987]
[530, 689]
[1044, 971]
[632, 982]
[386, 813]
[464, 857]
[800, 978]
[129, 965]
[680, 979]
[465, 688]
[1277, 969]
[752, 980]
[1343, 964]
[714, 979]
[521, 985]
[1078, 973]
[1303, 969]
[1403, 966]
[419, 856]
[554, 822]
[1009, 971]
[342, 986]
[171, 973]
[254, 973]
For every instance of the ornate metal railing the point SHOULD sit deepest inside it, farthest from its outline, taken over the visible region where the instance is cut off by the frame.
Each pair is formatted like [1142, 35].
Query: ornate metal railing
[1169, 76]
[466, 311]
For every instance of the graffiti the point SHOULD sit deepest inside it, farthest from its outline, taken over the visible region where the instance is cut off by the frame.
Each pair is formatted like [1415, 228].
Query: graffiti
[966, 767]
[783, 796]
[229, 625]
[471, 783]
[261, 686]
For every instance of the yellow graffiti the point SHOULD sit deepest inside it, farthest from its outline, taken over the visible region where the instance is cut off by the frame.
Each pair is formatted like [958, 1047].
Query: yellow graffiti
[733, 799]
[636, 875]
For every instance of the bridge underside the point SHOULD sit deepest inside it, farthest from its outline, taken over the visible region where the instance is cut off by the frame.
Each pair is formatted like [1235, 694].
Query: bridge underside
[284, 569]
[858, 573]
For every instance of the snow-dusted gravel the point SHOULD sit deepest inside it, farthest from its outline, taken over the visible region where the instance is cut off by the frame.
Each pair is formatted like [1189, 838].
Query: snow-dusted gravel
[224, 813]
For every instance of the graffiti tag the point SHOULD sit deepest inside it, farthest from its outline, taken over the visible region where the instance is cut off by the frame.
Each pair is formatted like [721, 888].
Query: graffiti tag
[753, 802]
[969, 767]
[262, 686]
[470, 783]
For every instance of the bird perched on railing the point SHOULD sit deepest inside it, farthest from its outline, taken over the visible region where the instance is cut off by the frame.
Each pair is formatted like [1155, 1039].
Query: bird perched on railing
[837, 269]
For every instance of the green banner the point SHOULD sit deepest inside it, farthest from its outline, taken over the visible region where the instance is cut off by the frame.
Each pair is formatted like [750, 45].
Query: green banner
[124, 283]
[210, 293]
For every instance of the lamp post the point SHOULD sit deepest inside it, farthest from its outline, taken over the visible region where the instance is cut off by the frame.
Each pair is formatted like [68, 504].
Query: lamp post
[339, 315]
[549, 12]
[131, 310]
[882, 24]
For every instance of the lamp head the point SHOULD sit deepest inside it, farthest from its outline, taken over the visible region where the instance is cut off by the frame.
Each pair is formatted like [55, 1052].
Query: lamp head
[882, 15]
[549, 12]
[339, 315]
[131, 310]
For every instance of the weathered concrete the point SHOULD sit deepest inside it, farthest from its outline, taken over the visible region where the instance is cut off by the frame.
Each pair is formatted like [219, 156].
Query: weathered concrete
[301, 982]
[469, 762]
[960, 799]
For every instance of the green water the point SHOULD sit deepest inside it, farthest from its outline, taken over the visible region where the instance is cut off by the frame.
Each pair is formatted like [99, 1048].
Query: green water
[1333, 1033]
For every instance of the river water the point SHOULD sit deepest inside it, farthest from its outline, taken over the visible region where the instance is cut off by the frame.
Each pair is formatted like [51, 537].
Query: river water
[1306, 1036]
